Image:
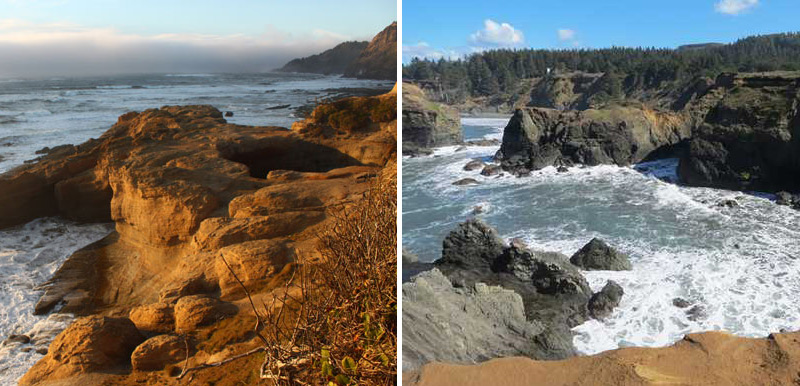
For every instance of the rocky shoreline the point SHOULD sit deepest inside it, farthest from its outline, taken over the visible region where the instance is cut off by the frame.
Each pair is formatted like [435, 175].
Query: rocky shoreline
[186, 189]
[485, 299]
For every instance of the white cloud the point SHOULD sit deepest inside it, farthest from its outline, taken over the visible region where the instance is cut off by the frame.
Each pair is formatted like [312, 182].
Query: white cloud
[566, 34]
[54, 49]
[734, 7]
[497, 34]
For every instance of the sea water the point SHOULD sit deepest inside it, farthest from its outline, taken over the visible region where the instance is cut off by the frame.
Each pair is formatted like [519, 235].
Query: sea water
[49, 112]
[738, 267]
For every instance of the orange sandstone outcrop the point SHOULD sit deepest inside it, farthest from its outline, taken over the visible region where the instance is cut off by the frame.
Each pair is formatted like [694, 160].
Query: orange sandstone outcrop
[186, 189]
[711, 358]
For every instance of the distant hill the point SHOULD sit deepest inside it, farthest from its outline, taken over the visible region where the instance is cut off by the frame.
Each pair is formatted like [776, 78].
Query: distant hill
[379, 59]
[332, 61]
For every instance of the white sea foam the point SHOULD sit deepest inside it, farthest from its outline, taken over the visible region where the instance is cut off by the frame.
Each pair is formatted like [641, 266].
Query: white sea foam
[29, 255]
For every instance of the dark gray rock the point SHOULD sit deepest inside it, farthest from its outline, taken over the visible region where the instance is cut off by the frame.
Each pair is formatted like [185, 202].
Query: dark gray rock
[491, 170]
[597, 255]
[21, 339]
[427, 124]
[681, 303]
[469, 325]
[603, 303]
[473, 244]
[474, 165]
[466, 181]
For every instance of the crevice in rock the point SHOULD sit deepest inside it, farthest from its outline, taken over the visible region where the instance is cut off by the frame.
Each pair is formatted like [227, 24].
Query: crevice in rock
[286, 153]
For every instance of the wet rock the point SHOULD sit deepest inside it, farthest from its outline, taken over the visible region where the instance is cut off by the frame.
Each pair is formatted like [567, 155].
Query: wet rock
[602, 303]
[562, 169]
[681, 303]
[466, 181]
[198, 310]
[474, 165]
[483, 142]
[729, 203]
[157, 352]
[89, 344]
[696, 313]
[16, 339]
[597, 255]
[460, 149]
[550, 272]
[491, 170]
[229, 113]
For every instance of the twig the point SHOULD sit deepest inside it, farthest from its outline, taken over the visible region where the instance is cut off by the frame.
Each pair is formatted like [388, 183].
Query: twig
[224, 361]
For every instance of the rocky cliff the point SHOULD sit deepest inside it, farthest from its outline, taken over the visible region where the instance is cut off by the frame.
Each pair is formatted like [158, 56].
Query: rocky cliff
[332, 61]
[190, 194]
[427, 124]
[379, 59]
[749, 136]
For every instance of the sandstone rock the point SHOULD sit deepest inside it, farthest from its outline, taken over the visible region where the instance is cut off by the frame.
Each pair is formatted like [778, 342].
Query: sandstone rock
[89, 344]
[253, 262]
[156, 317]
[217, 232]
[198, 310]
[602, 304]
[597, 255]
[158, 351]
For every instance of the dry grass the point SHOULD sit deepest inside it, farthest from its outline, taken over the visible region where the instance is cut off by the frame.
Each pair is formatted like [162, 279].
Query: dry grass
[335, 322]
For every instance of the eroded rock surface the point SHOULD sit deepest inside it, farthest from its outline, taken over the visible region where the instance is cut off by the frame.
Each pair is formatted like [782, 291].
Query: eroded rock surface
[427, 124]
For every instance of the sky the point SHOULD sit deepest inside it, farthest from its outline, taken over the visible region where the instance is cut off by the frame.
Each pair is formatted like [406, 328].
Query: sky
[454, 28]
[97, 37]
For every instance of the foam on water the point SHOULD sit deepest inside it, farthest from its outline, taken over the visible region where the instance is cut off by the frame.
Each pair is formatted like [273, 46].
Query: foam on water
[739, 267]
[29, 255]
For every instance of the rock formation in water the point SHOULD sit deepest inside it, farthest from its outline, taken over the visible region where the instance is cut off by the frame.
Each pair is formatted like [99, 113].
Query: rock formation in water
[379, 59]
[427, 124]
[332, 61]
[536, 137]
[455, 326]
[710, 358]
[186, 189]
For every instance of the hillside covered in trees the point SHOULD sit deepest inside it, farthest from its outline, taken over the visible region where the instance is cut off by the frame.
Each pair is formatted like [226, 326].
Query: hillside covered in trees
[623, 72]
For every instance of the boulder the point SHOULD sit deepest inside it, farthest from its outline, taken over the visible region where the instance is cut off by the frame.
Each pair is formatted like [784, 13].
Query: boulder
[474, 165]
[89, 344]
[599, 256]
[16, 339]
[472, 244]
[491, 170]
[468, 325]
[466, 181]
[253, 262]
[156, 317]
[195, 311]
[602, 303]
[157, 352]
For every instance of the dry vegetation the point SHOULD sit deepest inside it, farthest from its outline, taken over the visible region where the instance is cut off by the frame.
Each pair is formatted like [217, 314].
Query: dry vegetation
[335, 322]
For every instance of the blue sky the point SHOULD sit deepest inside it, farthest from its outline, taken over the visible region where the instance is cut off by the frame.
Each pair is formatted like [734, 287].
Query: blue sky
[90, 36]
[452, 28]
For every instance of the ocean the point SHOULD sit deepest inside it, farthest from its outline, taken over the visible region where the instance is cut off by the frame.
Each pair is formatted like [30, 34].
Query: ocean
[738, 267]
[49, 112]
